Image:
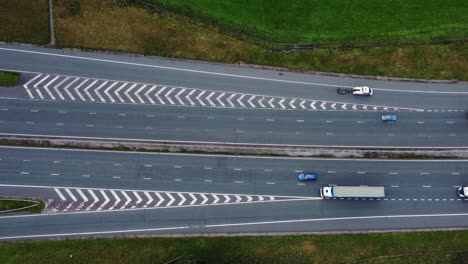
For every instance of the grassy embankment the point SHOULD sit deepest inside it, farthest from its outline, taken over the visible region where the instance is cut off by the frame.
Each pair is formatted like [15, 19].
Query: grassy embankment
[276, 249]
[103, 25]
[24, 21]
[9, 78]
[33, 206]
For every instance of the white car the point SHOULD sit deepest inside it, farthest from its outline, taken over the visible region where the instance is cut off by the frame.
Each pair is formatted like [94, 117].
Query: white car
[363, 90]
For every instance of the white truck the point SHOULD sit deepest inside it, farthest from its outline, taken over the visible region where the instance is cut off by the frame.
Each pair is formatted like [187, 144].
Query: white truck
[463, 192]
[352, 192]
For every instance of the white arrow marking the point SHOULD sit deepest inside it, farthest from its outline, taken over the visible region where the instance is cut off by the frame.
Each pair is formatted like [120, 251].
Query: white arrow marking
[106, 91]
[160, 198]
[68, 86]
[117, 200]
[83, 196]
[238, 199]
[281, 103]
[95, 199]
[271, 102]
[182, 199]
[171, 199]
[208, 99]
[205, 199]
[137, 93]
[78, 87]
[260, 198]
[312, 105]
[118, 90]
[178, 98]
[159, 92]
[148, 92]
[260, 102]
[167, 96]
[354, 107]
[227, 198]
[302, 104]
[71, 195]
[292, 103]
[60, 194]
[216, 199]
[250, 101]
[322, 105]
[219, 99]
[106, 200]
[150, 199]
[249, 198]
[87, 88]
[239, 100]
[364, 107]
[57, 91]
[333, 106]
[128, 200]
[230, 98]
[46, 87]
[138, 199]
[375, 107]
[194, 199]
[128, 90]
[272, 198]
[37, 89]
[29, 82]
[188, 97]
[198, 98]
[99, 88]
[344, 106]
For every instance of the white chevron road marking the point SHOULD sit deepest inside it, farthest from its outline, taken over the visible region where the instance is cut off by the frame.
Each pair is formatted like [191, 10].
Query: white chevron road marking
[96, 91]
[62, 197]
[106, 200]
[194, 199]
[95, 199]
[230, 98]
[150, 199]
[68, 86]
[147, 94]
[160, 199]
[77, 91]
[171, 199]
[198, 98]
[208, 99]
[128, 91]
[28, 83]
[86, 90]
[177, 96]
[46, 87]
[58, 85]
[118, 90]
[158, 93]
[188, 97]
[137, 93]
[281, 103]
[219, 99]
[38, 83]
[106, 91]
[239, 100]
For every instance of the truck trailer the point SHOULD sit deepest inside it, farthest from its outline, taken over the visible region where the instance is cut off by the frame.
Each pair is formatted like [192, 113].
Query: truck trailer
[352, 192]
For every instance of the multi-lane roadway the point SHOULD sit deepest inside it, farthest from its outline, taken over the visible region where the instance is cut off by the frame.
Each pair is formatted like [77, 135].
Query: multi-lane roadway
[108, 192]
[79, 94]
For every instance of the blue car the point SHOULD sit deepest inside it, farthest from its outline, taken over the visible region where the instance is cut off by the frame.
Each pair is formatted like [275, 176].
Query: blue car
[389, 118]
[307, 176]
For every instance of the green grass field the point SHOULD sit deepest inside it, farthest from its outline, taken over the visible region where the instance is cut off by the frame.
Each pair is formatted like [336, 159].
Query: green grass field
[24, 21]
[9, 78]
[270, 250]
[7, 204]
[322, 21]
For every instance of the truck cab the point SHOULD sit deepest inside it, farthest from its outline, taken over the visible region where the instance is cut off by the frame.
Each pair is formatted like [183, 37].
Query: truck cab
[326, 192]
[463, 192]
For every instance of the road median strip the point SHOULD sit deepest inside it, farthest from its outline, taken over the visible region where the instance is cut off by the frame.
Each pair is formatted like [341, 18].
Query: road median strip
[200, 147]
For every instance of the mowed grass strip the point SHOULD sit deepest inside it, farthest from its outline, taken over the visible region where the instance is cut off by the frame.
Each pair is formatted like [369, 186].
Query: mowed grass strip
[31, 206]
[24, 21]
[9, 78]
[103, 25]
[322, 21]
[347, 248]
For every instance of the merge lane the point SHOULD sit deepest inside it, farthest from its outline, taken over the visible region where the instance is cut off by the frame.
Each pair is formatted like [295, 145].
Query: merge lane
[229, 125]
[325, 89]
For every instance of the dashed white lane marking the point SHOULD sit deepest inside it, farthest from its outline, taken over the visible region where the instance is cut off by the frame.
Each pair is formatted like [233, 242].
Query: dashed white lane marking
[361, 172]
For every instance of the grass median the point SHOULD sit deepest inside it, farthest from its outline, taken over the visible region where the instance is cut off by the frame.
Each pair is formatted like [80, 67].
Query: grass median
[104, 25]
[9, 78]
[418, 247]
[20, 206]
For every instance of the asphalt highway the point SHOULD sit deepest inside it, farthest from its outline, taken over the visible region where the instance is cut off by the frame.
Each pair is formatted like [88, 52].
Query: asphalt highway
[416, 129]
[419, 194]
[160, 71]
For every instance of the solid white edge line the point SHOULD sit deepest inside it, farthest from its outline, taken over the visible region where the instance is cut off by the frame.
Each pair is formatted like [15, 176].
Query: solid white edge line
[212, 73]
[231, 225]
[219, 155]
